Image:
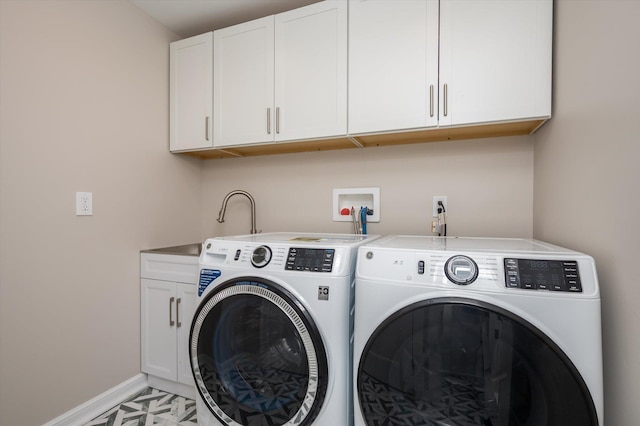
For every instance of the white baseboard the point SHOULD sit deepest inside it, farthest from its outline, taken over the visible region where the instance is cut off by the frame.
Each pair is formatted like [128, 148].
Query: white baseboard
[187, 391]
[94, 407]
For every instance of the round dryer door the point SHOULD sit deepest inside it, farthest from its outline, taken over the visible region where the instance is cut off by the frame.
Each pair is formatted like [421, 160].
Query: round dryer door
[465, 362]
[256, 356]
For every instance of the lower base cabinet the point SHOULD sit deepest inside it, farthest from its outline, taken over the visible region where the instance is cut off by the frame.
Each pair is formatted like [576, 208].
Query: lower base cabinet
[167, 308]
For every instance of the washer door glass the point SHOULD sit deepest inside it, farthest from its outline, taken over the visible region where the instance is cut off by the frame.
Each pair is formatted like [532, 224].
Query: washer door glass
[256, 356]
[456, 361]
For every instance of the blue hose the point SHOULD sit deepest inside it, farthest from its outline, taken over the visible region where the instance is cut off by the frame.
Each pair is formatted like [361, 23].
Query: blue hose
[363, 219]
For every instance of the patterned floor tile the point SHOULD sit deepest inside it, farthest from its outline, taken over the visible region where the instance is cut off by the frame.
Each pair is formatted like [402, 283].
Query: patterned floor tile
[151, 407]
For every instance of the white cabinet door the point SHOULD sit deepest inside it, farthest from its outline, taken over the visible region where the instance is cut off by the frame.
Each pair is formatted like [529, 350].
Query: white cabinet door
[282, 77]
[190, 93]
[158, 328]
[393, 65]
[495, 60]
[243, 83]
[311, 71]
[186, 295]
[167, 311]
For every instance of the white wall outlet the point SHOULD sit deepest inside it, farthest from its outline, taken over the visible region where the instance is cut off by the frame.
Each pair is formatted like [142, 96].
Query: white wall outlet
[84, 204]
[437, 198]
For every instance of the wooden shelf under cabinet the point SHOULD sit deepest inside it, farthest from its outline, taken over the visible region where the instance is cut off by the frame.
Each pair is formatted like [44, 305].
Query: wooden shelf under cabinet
[518, 128]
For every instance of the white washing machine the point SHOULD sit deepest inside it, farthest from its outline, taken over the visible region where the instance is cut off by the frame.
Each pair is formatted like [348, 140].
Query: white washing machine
[476, 331]
[270, 341]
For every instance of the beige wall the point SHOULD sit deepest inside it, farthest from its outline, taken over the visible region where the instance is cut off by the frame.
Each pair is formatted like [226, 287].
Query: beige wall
[488, 182]
[587, 175]
[83, 107]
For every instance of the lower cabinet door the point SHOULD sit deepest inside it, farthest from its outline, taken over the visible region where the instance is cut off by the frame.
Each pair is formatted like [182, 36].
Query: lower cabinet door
[158, 334]
[186, 306]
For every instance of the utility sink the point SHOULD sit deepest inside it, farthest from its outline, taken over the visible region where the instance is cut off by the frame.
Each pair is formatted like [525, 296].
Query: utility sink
[184, 250]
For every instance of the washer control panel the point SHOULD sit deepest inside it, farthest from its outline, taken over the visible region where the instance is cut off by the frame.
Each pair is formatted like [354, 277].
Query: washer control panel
[537, 274]
[310, 259]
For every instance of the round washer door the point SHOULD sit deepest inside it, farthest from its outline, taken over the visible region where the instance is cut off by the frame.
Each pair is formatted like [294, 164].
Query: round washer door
[256, 355]
[465, 362]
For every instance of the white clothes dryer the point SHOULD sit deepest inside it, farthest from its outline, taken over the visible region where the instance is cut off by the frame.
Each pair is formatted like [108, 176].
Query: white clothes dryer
[476, 331]
[270, 341]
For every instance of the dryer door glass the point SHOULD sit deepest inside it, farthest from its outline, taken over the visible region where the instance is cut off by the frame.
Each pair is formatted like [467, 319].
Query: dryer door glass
[256, 356]
[464, 362]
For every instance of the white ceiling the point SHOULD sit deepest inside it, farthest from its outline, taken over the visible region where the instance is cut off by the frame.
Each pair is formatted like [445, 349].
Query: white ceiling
[190, 17]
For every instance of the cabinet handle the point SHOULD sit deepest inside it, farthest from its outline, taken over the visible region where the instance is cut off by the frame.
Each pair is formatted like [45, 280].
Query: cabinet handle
[206, 127]
[277, 120]
[431, 100]
[179, 324]
[268, 121]
[446, 96]
[171, 322]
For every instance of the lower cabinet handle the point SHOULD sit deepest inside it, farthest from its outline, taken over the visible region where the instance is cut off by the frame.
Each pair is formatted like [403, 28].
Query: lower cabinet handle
[206, 127]
[171, 322]
[278, 120]
[446, 96]
[179, 324]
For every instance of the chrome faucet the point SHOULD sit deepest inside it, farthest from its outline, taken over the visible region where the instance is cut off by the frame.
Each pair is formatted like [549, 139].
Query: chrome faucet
[223, 209]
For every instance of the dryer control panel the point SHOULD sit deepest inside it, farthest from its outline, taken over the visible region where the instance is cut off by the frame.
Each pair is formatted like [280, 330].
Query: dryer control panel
[537, 274]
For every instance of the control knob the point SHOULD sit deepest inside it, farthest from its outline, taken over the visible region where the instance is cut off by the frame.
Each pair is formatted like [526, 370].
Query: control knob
[261, 256]
[461, 270]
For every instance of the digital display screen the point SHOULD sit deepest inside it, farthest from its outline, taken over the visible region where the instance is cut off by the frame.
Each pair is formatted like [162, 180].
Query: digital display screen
[538, 264]
[541, 274]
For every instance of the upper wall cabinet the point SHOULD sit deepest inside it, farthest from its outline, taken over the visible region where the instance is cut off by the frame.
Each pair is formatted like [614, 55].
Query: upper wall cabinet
[417, 64]
[418, 71]
[282, 77]
[190, 93]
